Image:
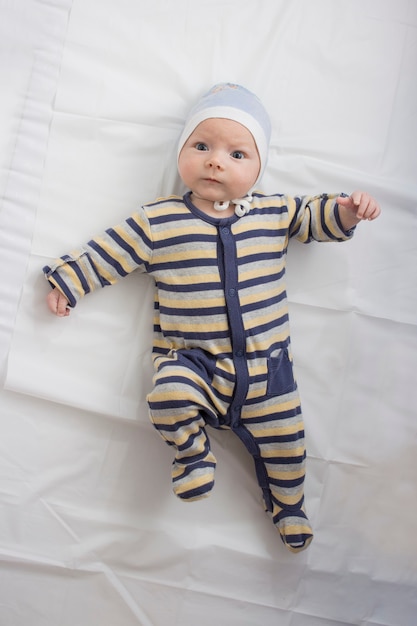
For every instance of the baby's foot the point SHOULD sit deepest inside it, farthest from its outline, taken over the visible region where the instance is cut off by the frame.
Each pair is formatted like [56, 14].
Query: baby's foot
[193, 481]
[295, 529]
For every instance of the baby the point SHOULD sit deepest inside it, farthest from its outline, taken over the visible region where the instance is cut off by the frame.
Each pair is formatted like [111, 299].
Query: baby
[221, 348]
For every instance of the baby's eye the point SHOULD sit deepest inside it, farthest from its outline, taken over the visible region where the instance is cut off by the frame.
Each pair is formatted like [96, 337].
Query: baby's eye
[237, 154]
[201, 146]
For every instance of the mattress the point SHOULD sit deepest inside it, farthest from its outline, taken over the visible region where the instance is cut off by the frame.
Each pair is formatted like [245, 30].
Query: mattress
[94, 96]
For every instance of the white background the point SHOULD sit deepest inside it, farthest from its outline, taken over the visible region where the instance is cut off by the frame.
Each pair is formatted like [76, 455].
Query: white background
[93, 97]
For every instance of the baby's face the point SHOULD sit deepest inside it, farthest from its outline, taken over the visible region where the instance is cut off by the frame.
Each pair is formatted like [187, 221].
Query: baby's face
[219, 162]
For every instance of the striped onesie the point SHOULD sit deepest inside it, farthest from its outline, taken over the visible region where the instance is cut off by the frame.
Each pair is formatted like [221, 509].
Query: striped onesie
[221, 347]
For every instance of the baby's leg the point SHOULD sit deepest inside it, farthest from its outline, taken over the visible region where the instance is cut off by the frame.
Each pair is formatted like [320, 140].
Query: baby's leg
[179, 407]
[279, 452]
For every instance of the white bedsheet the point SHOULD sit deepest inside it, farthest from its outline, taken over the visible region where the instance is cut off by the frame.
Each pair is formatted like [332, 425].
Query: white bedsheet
[93, 97]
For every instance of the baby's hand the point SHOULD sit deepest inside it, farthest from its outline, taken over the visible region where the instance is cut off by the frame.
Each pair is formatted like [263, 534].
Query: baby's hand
[362, 205]
[57, 303]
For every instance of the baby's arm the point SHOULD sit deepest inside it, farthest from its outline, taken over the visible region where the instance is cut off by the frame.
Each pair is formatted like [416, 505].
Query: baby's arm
[57, 303]
[114, 254]
[356, 207]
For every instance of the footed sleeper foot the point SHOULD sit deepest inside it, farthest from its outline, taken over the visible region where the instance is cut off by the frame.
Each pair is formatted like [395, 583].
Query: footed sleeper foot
[295, 529]
[193, 481]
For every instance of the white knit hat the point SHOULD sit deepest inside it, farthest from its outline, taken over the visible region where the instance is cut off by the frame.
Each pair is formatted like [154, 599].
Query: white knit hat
[233, 102]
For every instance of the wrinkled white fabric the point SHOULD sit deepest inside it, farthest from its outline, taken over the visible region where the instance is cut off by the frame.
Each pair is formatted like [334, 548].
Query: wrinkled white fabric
[93, 99]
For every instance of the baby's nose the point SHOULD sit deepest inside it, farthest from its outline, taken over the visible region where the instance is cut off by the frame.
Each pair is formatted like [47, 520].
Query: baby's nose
[215, 161]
